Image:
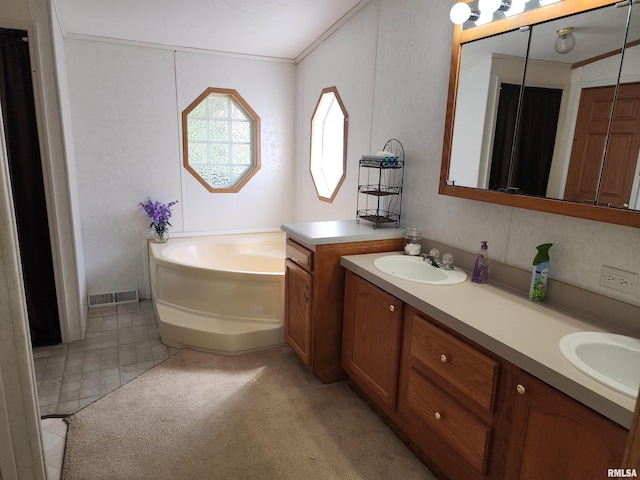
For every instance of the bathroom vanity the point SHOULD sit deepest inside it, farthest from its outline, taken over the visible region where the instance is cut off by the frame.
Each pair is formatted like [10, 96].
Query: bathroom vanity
[471, 378]
[314, 286]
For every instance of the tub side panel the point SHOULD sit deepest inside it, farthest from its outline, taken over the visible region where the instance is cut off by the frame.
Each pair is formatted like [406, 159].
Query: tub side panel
[241, 296]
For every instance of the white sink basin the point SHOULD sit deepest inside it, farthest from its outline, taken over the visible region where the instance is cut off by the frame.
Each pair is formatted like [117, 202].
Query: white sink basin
[415, 269]
[613, 360]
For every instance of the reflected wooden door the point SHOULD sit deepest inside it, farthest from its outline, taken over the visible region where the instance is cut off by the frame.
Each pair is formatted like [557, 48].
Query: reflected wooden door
[622, 151]
[589, 140]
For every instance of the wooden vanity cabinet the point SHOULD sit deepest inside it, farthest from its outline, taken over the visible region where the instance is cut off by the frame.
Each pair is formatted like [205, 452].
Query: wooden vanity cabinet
[554, 437]
[448, 397]
[371, 339]
[314, 300]
[467, 413]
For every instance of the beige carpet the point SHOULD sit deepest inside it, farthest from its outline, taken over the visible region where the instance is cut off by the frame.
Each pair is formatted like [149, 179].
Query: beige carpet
[260, 416]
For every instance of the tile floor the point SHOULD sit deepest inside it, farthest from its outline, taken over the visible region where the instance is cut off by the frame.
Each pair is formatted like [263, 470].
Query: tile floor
[121, 343]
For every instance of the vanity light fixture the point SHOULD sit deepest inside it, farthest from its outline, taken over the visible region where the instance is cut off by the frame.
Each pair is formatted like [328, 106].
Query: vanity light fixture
[461, 12]
[517, 6]
[485, 11]
[565, 41]
[491, 6]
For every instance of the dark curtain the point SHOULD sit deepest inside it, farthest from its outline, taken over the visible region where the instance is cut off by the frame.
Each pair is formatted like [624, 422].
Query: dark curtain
[536, 140]
[25, 169]
[503, 136]
[535, 143]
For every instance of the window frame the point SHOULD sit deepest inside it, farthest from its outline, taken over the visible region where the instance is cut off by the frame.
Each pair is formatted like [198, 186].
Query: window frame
[255, 139]
[334, 91]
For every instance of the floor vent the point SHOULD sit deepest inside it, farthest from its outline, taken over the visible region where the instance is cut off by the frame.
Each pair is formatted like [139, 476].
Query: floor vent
[113, 298]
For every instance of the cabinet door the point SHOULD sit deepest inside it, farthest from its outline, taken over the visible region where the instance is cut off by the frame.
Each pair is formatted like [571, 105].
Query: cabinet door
[556, 437]
[297, 316]
[371, 340]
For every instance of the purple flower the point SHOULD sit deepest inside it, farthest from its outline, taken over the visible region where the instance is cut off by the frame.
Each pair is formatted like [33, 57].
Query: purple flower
[159, 213]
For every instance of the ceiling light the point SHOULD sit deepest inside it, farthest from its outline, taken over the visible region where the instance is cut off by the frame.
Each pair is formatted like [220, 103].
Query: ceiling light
[565, 41]
[461, 12]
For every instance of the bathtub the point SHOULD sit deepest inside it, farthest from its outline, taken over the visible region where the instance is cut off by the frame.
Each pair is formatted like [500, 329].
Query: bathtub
[221, 294]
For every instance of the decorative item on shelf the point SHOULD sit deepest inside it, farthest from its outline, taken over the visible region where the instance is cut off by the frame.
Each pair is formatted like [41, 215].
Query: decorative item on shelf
[380, 178]
[160, 214]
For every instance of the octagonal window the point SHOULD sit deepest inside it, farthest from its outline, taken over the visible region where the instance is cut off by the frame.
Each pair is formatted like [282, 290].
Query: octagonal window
[221, 140]
[328, 144]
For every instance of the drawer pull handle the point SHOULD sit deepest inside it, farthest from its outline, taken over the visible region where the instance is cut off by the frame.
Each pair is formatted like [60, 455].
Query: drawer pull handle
[438, 416]
[520, 389]
[443, 358]
[306, 294]
[392, 308]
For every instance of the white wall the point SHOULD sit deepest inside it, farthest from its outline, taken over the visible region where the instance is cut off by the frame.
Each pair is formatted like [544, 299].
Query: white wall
[267, 199]
[352, 72]
[410, 73]
[126, 103]
[472, 103]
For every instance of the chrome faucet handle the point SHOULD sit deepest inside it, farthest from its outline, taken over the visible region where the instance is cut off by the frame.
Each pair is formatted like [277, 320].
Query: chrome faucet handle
[447, 261]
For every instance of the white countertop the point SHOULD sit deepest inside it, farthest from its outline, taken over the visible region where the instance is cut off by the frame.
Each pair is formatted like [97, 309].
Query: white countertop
[522, 332]
[340, 231]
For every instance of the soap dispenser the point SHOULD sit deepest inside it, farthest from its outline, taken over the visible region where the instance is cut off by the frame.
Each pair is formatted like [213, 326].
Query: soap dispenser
[540, 273]
[481, 267]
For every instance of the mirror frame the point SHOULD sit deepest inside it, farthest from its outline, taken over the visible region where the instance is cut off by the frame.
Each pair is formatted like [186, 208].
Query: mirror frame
[561, 207]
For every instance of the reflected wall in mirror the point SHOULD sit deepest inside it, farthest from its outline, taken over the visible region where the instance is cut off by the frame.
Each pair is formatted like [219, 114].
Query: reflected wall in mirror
[486, 66]
[545, 141]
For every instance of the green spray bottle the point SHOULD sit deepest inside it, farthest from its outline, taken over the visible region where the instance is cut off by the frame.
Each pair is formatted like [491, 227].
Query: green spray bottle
[540, 273]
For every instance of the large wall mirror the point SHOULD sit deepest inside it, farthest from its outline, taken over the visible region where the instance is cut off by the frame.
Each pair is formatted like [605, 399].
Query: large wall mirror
[534, 128]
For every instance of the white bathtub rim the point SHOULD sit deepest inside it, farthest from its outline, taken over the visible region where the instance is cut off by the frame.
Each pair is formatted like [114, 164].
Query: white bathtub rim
[236, 274]
[218, 233]
[161, 258]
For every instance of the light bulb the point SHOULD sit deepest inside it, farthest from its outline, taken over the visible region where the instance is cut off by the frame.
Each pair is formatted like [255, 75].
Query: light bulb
[489, 6]
[484, 18]
[460, 13]
[517, 6]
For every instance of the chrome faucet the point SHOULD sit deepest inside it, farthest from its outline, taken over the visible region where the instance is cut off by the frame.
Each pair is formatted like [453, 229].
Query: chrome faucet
[446, 263]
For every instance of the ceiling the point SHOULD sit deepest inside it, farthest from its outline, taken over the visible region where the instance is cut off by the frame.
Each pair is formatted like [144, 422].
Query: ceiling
[281, 29]
[597, 32]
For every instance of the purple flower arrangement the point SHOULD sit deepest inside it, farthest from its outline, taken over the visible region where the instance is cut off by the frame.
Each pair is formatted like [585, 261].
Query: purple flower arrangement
[160, 214]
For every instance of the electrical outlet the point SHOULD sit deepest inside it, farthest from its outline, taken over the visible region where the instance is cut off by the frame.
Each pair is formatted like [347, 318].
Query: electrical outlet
[620, 280]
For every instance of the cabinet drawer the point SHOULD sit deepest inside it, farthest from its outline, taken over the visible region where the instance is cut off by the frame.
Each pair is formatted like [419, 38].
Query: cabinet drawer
[469, 437]
[300, 255]
[458, 364]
